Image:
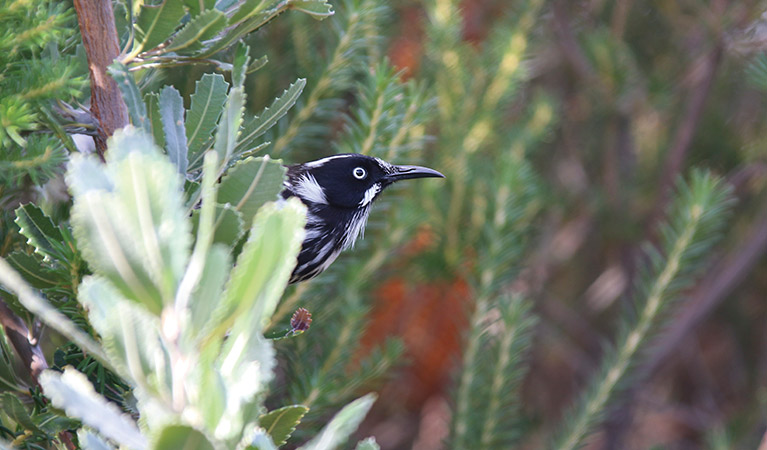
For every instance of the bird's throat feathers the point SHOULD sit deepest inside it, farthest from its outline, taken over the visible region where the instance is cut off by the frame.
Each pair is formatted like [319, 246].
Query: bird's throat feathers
[346, 224]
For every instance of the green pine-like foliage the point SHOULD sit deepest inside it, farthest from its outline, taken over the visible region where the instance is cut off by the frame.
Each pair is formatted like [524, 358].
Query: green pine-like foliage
[37, 45]
[695, 222]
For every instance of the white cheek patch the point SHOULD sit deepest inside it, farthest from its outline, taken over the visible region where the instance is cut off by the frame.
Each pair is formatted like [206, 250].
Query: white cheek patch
[370, 194]
[308, 189]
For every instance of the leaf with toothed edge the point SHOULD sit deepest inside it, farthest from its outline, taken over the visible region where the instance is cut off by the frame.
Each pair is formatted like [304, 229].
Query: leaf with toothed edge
[247, 9]
[263, 268]
[152, 101]
[198, 6]
[41, 233]
[214, 275]
[231, 120]
[240, 64]
[91, 441]
[229, 225]
[13, 408]
[318, 9]
[72, 392]
[282, 422]
[172, 115]
[368, 444]
[255, 126]
[182, 437]
[207, 101]
[198, 30]
[156, 23]
[33, 270]
[257, 64]
[249, 16]
[129, 219]
[131, 95]
[250, 183]
[229, 126]
[129, 334]
[342, 425]
[245, 360]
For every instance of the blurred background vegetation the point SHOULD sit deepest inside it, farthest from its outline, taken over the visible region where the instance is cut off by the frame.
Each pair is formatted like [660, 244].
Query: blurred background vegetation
[563, 128]
[639, 93]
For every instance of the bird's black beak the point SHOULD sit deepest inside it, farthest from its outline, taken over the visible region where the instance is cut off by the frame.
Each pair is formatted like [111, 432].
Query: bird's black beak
[407, 172]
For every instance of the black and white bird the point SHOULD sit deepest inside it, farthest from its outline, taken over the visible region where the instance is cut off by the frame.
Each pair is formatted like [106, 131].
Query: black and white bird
[338, 192]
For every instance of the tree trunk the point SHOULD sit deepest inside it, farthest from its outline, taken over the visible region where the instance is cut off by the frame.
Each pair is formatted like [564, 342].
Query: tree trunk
[97, 26]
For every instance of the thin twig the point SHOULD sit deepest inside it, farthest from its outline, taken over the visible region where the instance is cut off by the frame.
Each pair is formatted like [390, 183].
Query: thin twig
[22, 341]
[686, 130]
[568, 44]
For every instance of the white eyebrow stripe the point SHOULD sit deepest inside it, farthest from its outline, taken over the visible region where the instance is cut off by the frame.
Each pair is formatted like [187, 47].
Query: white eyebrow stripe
[321, 162]
[307, 187]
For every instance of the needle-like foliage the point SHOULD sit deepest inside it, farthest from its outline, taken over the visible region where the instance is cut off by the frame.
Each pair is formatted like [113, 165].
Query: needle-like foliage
[695, 222]
[37, 66]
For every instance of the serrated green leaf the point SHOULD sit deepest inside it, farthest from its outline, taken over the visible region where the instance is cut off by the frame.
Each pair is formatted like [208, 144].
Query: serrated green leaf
[246, 359]
[172, 113]
[54, 423]
[91, 175]
[756, 72]
[207, 101]
[229, 125]
[131, 95]
[90, 441]
[125, 143]
[130, 335]
[255, 126]
[207, 295]
[240, 64]
[182, 437]
[259, 440]
[72, 392]
[33, 271]
[132, 227]
[246, 367]
[152, 101]
[249, 8]
[368, 444]
[197, 6]
[251, 183]
[40, 231]
[35, 304]
[282, 422]
[156, 24]
[9, 379]
[263, 267]
[212, 405]
[343, 424]
[198, 30]
[12, 407]
[319, 9]
[249, 17]
[257, 64]
[229, 225]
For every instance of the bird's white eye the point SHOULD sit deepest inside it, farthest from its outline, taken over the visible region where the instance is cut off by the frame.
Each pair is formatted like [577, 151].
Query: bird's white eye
[359, 173]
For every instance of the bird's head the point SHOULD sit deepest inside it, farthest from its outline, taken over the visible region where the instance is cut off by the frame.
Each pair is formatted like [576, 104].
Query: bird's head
[349, 180]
